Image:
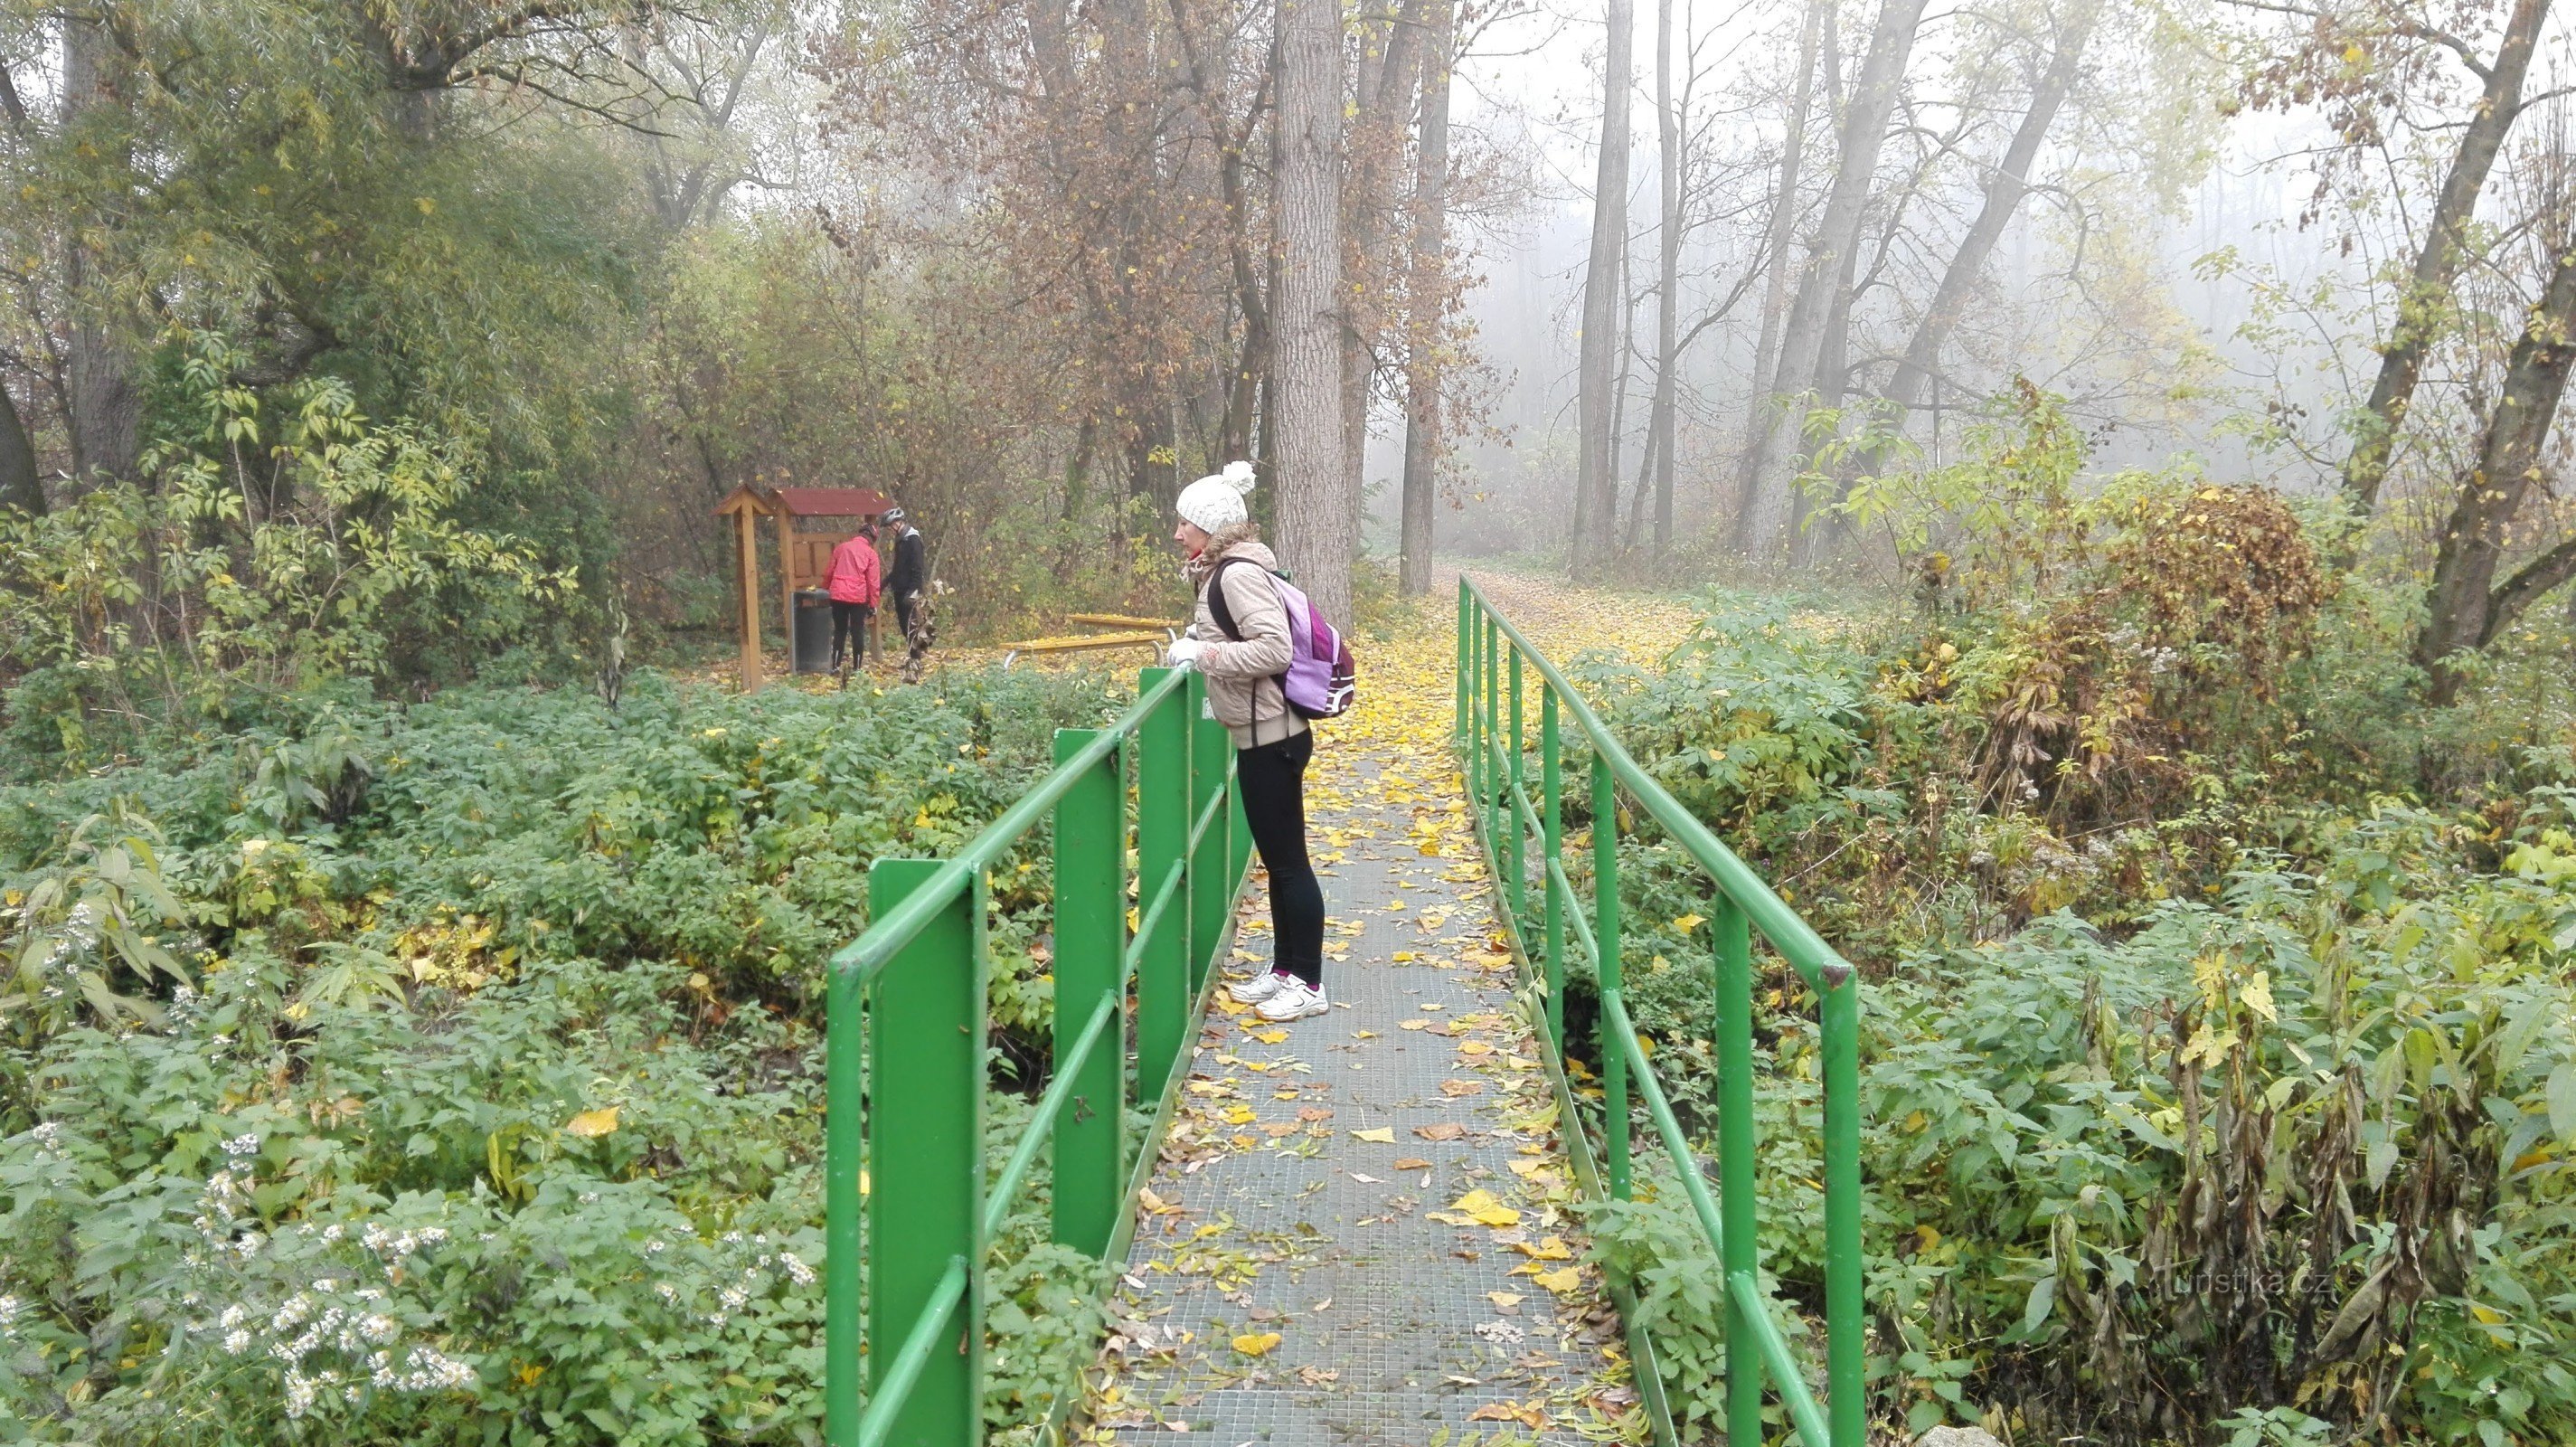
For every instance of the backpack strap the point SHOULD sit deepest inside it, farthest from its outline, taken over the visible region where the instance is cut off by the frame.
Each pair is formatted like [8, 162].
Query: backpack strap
[1217, 607]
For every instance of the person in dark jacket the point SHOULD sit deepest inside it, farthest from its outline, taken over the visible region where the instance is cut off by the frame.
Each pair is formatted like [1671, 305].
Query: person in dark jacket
[908, 583]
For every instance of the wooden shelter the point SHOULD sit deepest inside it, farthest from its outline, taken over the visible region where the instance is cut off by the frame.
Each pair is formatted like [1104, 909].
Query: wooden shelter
[810, 522]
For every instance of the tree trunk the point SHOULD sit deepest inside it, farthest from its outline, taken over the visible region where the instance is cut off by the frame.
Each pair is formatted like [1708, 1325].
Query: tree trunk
[1669, 171]
[1596, 484]
[1428, 309]
[2421, 307]
[2462, 605]
[1775, 293]
[20, 485]
[106, 403]
[1383, 88]
[1318, 531]
[1823, 286]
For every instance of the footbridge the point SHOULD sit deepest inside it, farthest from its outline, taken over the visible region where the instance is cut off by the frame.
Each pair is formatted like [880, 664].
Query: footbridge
[1362, 1227]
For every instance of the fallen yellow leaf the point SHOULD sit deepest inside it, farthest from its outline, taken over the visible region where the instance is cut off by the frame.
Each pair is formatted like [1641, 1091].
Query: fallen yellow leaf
[1254, 1344]
[1560, 1281]
[1270, 1037]
[1413, 1025]
[1384, 1135]
[1688, 922]
[593, 1123]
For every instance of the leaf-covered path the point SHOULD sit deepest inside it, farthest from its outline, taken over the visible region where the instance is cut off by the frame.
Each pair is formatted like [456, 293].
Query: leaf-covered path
[1360, 1229]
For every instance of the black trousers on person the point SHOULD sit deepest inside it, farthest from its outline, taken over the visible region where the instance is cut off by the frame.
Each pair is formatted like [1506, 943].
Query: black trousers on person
[850, 626]
[1272, 780]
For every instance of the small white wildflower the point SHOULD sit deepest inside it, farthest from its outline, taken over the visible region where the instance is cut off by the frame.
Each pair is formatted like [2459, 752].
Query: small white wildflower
[236, 1342]
[734, 1298]
[797, 1270]
[244, 1144]
[590, 1198]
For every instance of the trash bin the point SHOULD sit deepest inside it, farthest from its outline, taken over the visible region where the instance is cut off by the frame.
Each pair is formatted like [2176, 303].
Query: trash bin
[810, 642]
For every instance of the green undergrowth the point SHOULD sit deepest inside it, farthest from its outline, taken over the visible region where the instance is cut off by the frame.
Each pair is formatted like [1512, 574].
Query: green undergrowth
[2219, 1004]
[451, 1072]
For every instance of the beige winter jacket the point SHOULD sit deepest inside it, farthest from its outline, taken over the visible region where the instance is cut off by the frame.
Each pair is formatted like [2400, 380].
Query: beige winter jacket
[1243, 677]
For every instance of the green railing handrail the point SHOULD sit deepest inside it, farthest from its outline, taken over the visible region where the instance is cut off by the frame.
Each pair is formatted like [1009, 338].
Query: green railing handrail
[905, 1061]
[1490, 657]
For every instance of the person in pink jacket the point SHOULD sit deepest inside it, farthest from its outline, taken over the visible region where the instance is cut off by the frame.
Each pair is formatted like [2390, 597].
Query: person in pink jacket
[852, 580]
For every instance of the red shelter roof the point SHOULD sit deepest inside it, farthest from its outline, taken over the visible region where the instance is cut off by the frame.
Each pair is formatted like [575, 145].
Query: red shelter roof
[833, 502]
[807, 502]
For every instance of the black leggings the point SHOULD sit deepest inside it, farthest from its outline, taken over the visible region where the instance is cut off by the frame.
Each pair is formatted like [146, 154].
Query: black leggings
[1272, 781]
[850, 627]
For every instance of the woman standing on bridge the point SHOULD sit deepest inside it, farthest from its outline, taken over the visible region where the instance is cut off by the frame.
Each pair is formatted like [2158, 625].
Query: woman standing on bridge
[1244, 664]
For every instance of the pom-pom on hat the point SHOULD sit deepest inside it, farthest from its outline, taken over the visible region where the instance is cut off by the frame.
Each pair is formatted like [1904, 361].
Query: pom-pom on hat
[1213, 502]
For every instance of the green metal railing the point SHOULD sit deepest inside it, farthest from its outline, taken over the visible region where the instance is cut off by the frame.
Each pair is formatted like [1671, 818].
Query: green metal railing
[1492, 656]
[904, 1175]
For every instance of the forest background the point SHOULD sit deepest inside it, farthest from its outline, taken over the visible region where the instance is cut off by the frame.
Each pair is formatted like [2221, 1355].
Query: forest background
[2149, 407]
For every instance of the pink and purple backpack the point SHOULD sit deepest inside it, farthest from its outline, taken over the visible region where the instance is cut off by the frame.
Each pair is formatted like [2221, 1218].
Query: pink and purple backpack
[1322, 680]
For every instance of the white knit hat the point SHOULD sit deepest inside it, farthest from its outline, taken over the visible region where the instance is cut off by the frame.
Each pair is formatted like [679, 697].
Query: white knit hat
[1213, 502]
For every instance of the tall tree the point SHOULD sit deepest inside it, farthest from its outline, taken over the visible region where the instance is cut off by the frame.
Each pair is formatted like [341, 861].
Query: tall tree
[1429, 291]
[106, 401]
[2464, 606]
[1668, 272]
[20, 485]
[1318, 518]
[2426, 301]
[1825, 283]
[1596, 486]
[2006, 187]
[1382, 92]
[1776, 263]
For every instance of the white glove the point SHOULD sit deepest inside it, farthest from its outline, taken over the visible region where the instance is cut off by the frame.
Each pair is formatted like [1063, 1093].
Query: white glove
[1183, 653]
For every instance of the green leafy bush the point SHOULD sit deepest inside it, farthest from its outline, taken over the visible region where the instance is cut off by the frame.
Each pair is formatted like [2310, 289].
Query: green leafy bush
[489, 1107]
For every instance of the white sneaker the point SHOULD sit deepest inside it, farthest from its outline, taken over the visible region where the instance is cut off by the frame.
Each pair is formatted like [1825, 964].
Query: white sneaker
[1295, 1000]
[1259, 988]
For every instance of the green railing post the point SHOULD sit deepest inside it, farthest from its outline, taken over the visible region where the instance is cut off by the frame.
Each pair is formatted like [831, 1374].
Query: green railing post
[1512, 830]
[1493, 734]
[1736, 1155]
[1239, 832]
[844, 1090]
[1090, 961]
[1552, 839]
[1475, 653]
[926, 1196]
[1162, 829]
[1605, 931]
[1845, 1359]
[1211, 749]
[1458, 730]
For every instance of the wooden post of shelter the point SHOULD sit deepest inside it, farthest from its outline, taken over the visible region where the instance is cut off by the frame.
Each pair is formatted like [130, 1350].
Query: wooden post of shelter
[803, 556]
[745, 506]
